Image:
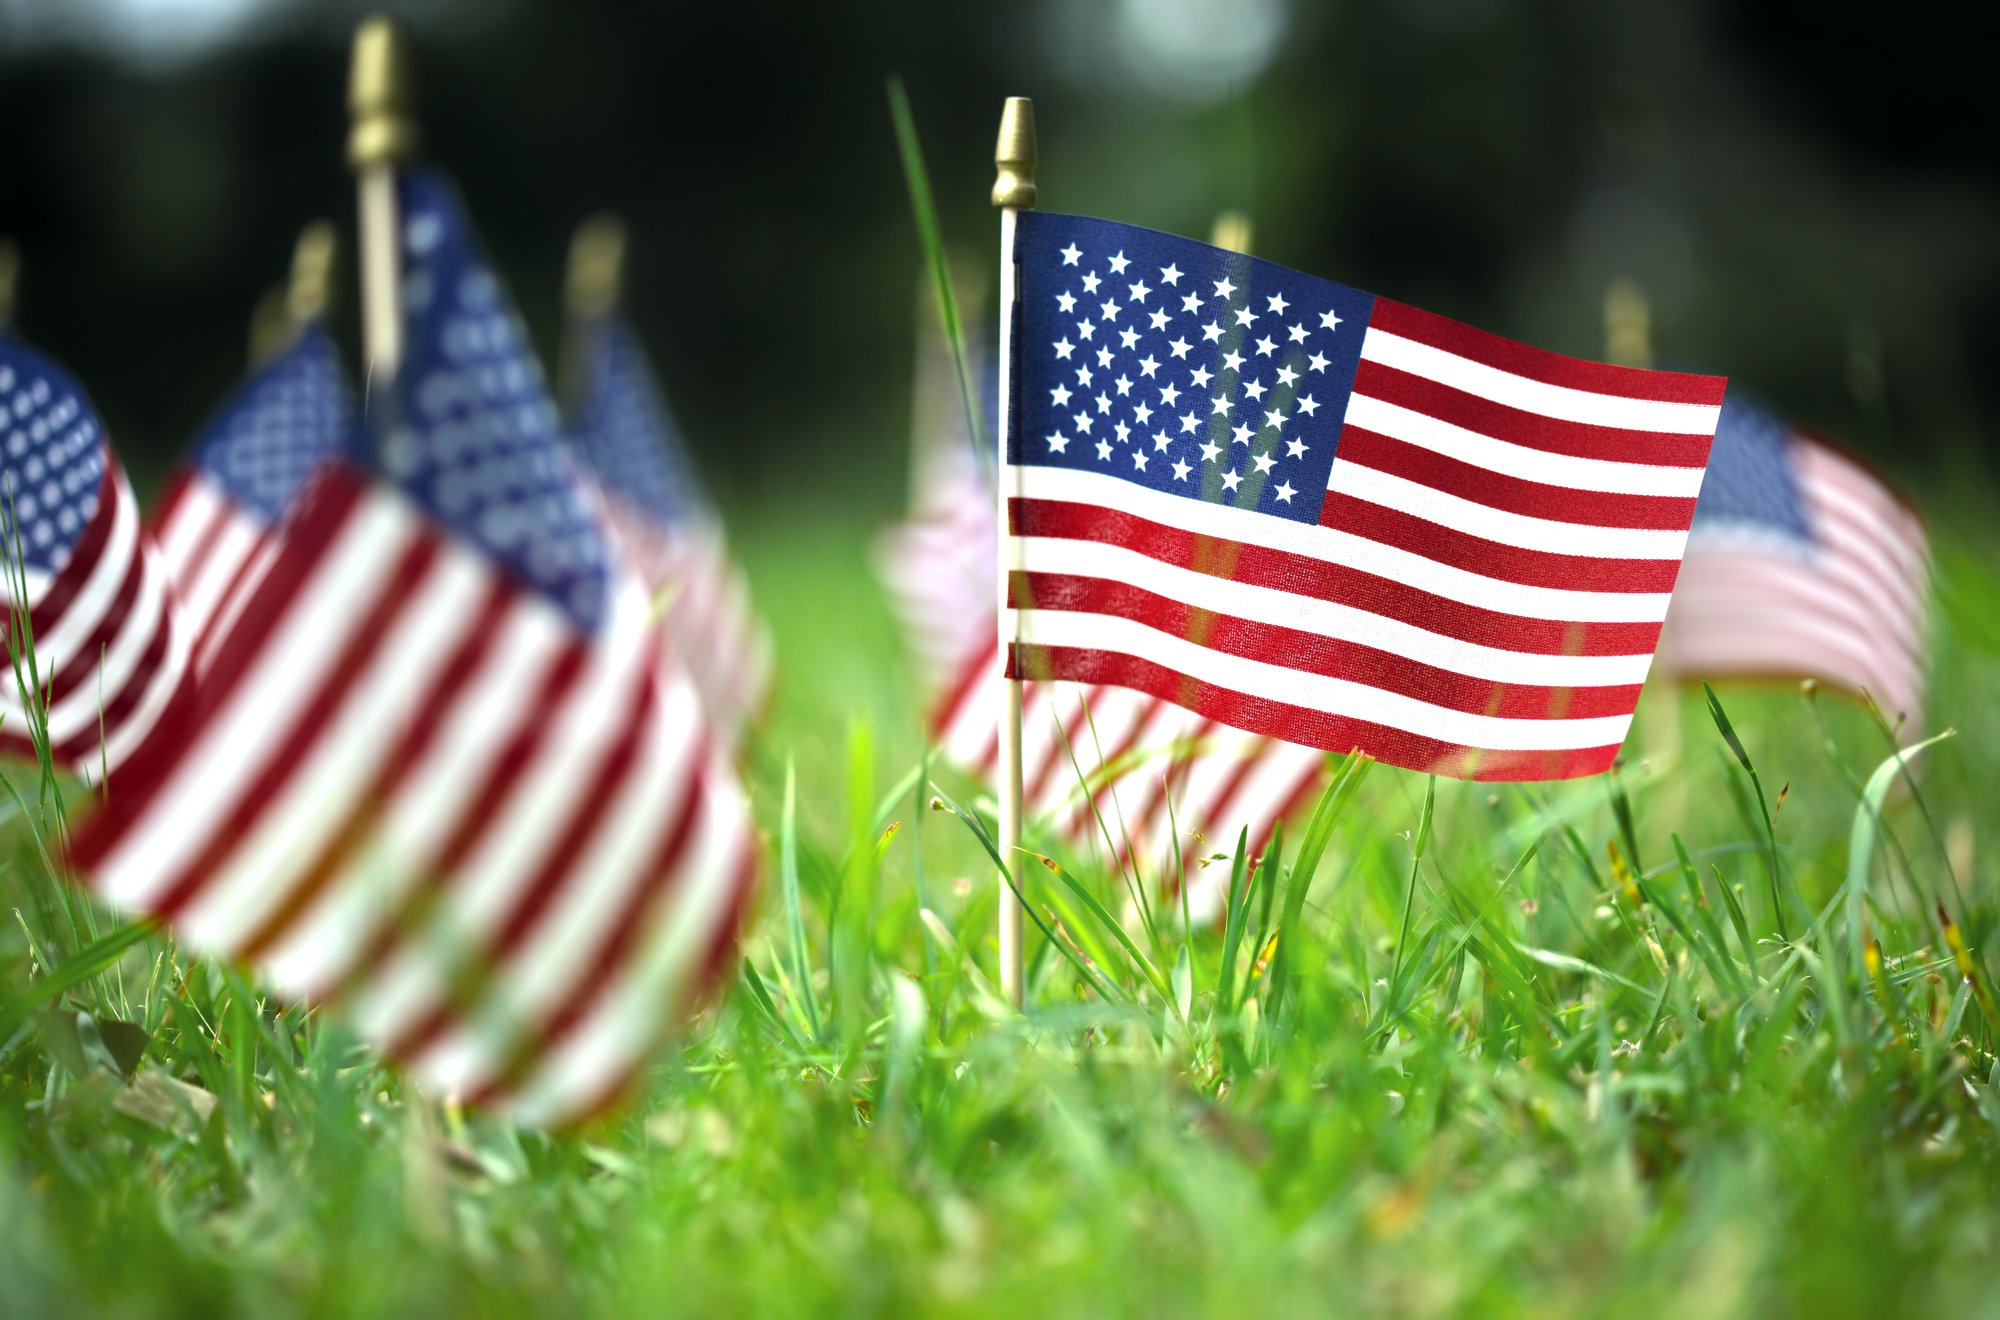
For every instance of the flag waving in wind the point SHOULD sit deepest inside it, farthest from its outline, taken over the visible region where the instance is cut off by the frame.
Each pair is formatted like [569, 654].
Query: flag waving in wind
[1317, 515]
[104, 652]
[217, 521]
[439, 776]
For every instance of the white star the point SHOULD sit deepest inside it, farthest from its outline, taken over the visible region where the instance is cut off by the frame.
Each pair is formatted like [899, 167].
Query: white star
[1124, 384]
[1200, 377]
[1082, 421]
[1103, 357]
[1211, 332]
[1308, 405]
[1119, 263]
[1181, 470]
[1058, 443]
[1161, 440]
[1263, 462]
[1110, 310]
[1189, 423]
[1169, 394]
[1297, 333]
[1060, 395]
[1104, 449]
[1276, 302]
[1328, 321]
[1223, 288]
[1210, 451]
[1090, 282]
[1103, 404]
[1179, 348]
[1286, 375]
[1170, 274]
[1158, 318]
[1284, 492]
[1066, 301]
[1124, 432]
[1232, 361]
[1085, 330]
[1222, 404]
[1255, 389]
[1244, 316]
[1231, 480]
[1064, 348]
[1142, 412]
[1148, 365]
[1274, 419]
[1241, 435]
[1128, 337]
[1083, 375]
[1316, 362]
[1139, 459]
[1070, 254]
[1191, 303]
[1265, 346]
[1139, 291]
[1295, 447]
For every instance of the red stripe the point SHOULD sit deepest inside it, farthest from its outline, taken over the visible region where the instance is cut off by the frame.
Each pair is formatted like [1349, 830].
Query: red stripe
[1165, 789]
[471, 981]
[188, 570]
[1316, 728]
[1303, 575]
[83, 748]
[168, 506]
[83, 557]
[1084, 816]
[80, 669]
[359, 645]
[1531, 499]
[155, 764]
[1065, 730]
[1315, 653]
[474, 646]
[1530, 430]
[1494, 559]
[1539, 364]
[975, 670]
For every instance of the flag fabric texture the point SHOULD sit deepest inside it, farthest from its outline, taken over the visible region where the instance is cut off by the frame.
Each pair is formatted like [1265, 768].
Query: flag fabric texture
[1313, 514]
[217, 520]
[109, 655]
[439, 777]
[1803, 563]
[663, 520]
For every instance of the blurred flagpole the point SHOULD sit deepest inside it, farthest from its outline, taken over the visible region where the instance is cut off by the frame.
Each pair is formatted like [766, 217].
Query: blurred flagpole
[284, 311]
[382, 136]
[591, 289]
[1232, 232]
[1013, 192]
[10, 279]
[1628, 341]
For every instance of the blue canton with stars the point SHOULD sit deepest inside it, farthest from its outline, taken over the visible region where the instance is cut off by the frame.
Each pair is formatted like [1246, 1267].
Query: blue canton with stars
[1751, 484]
[52, 458]
[626, 432]
[469, 431]
[292, 413]
[1179, 366]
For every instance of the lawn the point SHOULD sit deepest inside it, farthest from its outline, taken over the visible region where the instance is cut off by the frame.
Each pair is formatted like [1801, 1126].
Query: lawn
[1696, 1038]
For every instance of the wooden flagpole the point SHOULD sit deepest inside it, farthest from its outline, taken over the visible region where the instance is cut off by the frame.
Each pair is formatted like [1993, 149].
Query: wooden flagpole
[1013, 192]
[10, 279]
[591, 289]
[382, 135]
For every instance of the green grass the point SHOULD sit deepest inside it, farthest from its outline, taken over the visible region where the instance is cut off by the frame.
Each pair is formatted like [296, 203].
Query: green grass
[1486, 1067]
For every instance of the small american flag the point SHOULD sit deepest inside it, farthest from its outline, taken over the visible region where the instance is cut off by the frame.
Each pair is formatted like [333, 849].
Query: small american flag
[1313, 514]
[439, 775]
[661, 515]
[109, 654]
[1803, 563]
[216, 522]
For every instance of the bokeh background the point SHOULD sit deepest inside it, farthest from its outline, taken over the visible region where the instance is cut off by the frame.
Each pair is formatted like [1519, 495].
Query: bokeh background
[1810, 193]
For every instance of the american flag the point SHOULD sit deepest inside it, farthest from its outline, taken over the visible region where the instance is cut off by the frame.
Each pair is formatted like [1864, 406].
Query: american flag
[438, 776]
[1310, 513]
[109, 657]
[1802, 563]
[216, 522]
[661, 515]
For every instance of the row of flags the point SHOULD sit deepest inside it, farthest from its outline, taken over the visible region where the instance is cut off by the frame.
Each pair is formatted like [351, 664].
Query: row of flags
[1256, 518]
[417, 706]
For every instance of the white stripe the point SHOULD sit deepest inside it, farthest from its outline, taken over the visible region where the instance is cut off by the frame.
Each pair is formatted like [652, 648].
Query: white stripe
[202, 592]
[1285, 609]
[1491, 524]
[130, 734]
[1332, 695]
[1281, 768]
[216, 630]
[1558, 401]
[1509, 459]
[86, 610]
[80, 709]
[1312, 541]
[236, 742]
[177, 536]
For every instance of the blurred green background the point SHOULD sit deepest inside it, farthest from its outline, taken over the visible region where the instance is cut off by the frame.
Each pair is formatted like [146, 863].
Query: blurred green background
[1808, 192]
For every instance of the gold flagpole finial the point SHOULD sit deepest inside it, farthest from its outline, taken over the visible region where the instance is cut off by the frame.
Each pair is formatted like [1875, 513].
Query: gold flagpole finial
[1628, 324]
[270, 327]
[380, 101]
[1014, 156]
[311, 284]
[1231, 232]
[596, 265]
